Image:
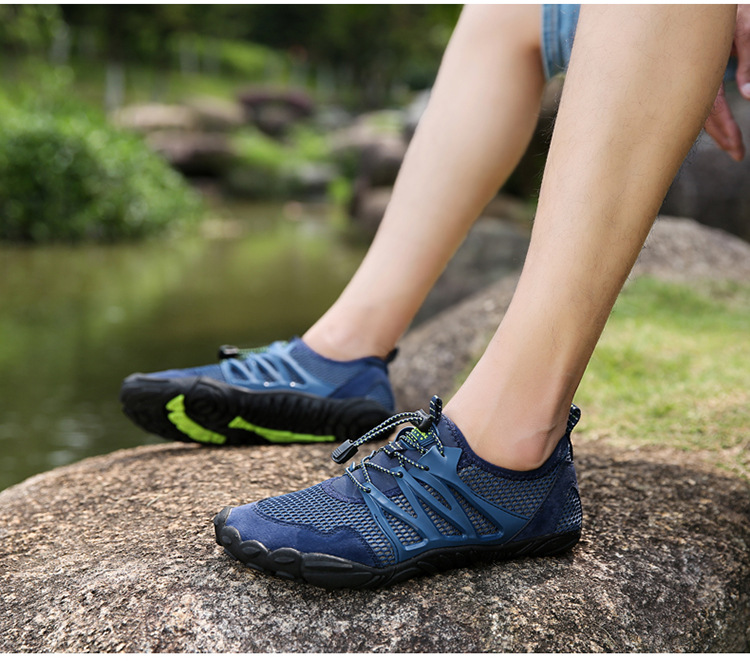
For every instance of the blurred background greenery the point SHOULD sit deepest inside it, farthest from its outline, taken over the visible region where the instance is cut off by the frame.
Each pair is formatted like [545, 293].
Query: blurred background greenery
[176, 177]
[357, 53]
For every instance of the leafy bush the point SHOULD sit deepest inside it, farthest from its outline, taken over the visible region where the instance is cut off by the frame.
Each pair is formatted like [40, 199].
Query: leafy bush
[245, 58]
[72, 177]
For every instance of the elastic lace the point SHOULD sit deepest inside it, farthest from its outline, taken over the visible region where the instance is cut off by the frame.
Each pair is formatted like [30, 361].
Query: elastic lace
[411, 438]
[261, 364]
[227, 351]
[244, 353]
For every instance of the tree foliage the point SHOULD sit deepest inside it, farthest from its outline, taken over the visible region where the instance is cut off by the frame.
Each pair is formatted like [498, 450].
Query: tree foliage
[373, 45]
[28, 28]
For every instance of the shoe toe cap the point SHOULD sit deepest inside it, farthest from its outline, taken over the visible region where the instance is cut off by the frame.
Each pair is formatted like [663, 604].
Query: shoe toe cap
[252, 525]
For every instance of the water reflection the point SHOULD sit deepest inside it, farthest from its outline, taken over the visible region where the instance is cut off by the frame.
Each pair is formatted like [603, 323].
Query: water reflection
[75, 320]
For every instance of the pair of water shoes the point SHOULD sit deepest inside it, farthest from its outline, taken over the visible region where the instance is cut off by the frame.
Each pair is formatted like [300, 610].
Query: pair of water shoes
[421, 503]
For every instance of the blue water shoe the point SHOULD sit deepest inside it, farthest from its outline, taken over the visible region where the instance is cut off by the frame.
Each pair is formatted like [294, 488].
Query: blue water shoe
[282, 393]
[423, 503]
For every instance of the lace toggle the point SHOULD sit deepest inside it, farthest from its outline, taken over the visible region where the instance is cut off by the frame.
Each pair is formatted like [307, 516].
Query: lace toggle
[422, 420]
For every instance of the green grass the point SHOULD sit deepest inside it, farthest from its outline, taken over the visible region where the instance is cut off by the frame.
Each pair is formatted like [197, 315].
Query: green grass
[673, 369]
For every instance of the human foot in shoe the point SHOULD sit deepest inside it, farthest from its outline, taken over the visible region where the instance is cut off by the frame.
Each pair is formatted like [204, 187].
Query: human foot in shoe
[282, 393]
[423, 503]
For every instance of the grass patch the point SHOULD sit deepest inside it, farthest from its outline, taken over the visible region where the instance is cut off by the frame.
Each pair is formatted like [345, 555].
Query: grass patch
[673, 369]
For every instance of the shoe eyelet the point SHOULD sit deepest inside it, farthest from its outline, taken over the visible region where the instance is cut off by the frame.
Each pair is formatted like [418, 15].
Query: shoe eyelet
[425, 468]
[400, 474]
[367, 490]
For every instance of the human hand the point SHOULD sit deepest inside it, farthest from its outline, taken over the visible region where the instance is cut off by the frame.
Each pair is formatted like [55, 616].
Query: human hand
[741, 48]
[721, 125]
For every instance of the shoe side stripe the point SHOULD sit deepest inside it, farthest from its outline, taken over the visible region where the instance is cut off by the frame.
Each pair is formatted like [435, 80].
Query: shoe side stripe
[266, 368]
[441, 469]
[180, 419]
[454, 513]
[279, 435]
[378, 504]
[445, 470]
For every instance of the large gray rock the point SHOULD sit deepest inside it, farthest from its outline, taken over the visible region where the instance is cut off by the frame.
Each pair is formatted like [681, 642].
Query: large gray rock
[194, 153]
[435, 355]
[116, 554]
[274, 111]
[147, 117]
[492, 249]
[683, 249]
[710, 186]
[216, 114]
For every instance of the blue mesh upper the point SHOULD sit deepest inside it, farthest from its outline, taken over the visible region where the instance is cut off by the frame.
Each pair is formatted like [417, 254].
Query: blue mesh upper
[333, 372]
[314, 507]
[405, 533]
[293, 365]
[444, 527]
[208, 371]
[481, 524]
[572, 517]
[520, 496]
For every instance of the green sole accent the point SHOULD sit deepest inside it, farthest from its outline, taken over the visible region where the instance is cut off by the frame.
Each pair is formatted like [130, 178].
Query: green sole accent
[278, 435]
[189, 427]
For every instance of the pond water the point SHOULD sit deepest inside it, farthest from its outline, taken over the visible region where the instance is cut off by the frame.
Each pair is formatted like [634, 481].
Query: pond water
[74, 321]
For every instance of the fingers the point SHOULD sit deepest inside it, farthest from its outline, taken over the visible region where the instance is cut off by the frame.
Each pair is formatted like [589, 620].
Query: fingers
[742, 47]
[723, 128]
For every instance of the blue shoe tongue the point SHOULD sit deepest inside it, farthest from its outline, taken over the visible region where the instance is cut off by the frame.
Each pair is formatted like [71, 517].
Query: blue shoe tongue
[385, 482]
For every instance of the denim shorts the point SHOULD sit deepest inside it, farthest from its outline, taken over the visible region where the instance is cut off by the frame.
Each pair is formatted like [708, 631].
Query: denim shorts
[558, 29]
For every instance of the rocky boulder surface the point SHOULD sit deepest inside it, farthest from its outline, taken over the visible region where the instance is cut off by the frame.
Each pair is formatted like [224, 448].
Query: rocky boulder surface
[116, 553]
[436, 354]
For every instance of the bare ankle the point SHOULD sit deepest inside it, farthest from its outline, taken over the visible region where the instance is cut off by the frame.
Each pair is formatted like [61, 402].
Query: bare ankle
[512, 446]
[342, 345]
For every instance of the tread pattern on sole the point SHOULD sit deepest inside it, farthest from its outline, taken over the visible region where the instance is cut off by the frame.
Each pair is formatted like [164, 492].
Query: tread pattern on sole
[331, 572]
[214, 405]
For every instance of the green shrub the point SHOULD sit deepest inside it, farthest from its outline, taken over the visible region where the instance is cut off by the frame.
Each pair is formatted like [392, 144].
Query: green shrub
[234, 57]
[269, 168]
[72, 177]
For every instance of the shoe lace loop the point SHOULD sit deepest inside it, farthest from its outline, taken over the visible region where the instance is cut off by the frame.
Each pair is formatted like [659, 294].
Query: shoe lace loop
[228, 351]
[407, 439]
[261, 364]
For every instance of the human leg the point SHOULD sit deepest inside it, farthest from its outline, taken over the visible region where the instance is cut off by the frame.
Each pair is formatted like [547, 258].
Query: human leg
[480, 118]
[432, 498]
[638, 90]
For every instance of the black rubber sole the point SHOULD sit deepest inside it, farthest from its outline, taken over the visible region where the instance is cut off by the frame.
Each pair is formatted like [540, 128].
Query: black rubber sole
[331, 572]
[207, 411]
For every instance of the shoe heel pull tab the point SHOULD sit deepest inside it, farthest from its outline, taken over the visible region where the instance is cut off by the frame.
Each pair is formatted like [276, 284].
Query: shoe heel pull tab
[344, 452]
[228, 351]
[573, 417]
